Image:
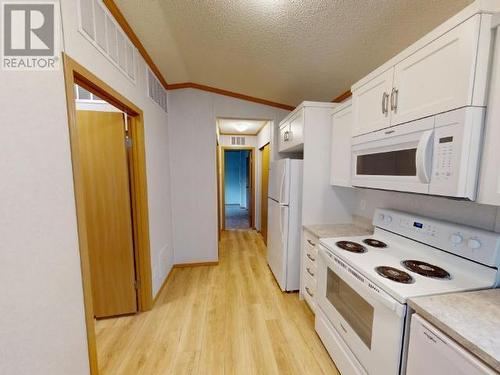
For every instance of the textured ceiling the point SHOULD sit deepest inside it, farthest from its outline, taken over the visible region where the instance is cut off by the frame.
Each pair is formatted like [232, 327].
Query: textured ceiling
[235, 126]
[284, 51]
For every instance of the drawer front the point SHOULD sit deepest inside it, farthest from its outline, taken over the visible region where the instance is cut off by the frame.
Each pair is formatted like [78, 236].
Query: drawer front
[309, 267]
[310, 243]
[310, 291]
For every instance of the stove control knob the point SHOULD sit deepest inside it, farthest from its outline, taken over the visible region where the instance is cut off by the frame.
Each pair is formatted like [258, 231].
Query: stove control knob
[388, 219]
[456, 238]
[473, 244]
[381, 217]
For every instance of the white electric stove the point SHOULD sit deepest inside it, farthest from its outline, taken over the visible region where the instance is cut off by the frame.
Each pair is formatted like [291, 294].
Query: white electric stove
[364, 283]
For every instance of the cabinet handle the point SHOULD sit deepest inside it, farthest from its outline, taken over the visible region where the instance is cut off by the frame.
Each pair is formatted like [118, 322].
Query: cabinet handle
[385, 103]
[311, 258]
[311, 243]
[309, 271]
[394, 99]
[309, 292]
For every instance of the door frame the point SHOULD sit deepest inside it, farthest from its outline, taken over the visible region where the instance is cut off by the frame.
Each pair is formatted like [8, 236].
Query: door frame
[75, 73]
[252, 208]
[263, 199]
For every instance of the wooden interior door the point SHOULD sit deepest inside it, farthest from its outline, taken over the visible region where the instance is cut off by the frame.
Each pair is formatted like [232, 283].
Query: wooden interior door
[264, 191]
[108, 211]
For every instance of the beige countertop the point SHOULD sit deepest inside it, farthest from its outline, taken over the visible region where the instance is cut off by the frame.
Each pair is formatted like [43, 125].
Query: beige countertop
[358, 228]
[472, 319]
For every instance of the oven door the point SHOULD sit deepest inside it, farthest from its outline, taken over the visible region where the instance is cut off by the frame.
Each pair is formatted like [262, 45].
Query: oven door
[398, 158]
[369, 321]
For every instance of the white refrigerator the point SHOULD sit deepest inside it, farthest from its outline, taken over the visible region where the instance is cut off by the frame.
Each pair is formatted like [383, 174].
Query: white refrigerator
[284, 222]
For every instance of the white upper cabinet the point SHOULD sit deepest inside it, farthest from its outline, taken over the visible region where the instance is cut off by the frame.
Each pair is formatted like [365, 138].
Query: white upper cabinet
[371, 104]
[292, 132]
[296, 130]
[445, 70]
[294, 127]
[437, 78]
[284, 135]
[340, 174]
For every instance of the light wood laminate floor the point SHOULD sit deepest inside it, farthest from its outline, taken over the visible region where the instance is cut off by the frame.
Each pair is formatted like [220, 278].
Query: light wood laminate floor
[226, 319]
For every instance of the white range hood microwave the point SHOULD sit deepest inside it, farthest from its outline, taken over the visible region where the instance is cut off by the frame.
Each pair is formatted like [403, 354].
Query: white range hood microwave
[437, 155]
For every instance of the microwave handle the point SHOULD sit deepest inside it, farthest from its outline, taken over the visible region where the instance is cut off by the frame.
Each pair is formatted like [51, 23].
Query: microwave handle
[423, 158]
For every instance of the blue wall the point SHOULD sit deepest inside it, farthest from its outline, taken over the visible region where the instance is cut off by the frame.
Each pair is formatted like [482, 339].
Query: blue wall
[235, 177]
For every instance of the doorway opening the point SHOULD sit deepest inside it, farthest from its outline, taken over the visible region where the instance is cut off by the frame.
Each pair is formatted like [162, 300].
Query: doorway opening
[237, 189]
[108, 157]
[237, 195]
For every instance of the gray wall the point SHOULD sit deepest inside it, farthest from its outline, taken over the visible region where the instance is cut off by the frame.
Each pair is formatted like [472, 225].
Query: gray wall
[193, 166]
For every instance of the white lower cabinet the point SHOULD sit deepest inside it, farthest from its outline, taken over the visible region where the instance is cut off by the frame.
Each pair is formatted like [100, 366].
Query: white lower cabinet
[340, 173]
[309, 255]
[431, 352]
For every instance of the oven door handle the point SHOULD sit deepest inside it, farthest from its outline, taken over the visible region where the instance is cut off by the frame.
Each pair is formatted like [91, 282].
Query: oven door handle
[423, 158]
[359, 286]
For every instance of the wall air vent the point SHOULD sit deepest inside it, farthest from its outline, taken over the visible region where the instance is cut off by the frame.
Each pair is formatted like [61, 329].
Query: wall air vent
[237, 141]
[100, 28]
[156, 91]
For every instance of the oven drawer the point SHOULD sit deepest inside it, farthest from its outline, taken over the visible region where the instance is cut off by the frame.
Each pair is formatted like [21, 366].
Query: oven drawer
[310, 290]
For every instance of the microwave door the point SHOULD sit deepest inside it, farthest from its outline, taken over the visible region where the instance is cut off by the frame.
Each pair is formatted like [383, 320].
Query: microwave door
[399, 159]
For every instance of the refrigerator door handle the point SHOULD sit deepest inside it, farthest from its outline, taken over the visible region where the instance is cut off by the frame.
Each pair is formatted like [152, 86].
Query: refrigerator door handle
[282, 186]
[282, 208]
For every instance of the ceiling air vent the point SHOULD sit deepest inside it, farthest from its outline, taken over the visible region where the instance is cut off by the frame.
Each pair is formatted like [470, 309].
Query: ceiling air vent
[237, 141]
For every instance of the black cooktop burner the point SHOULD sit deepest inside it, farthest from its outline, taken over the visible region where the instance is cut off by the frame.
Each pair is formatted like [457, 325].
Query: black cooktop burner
[394, 274]
[353, 247]
[426, 269]
[375, 243]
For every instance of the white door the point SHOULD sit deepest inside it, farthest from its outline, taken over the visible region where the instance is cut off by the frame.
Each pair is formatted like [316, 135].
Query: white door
[340, 174]
[371, 104]
[279, 181]
[296, 129]
[437, 78]
[277, 241]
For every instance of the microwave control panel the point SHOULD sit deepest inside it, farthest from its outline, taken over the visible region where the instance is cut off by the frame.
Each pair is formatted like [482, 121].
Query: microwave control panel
[444, 158]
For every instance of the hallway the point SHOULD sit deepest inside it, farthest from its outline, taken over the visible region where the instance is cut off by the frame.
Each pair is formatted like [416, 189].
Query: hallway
[237, 217]
[225, 319]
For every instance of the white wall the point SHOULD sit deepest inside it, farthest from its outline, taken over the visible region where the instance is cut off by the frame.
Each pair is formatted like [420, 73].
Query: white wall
[42, 325]
[192, 145]
[156, 134]
[467, 213]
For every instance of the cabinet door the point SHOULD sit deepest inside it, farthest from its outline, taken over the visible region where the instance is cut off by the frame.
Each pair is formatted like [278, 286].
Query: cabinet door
[340, 174]
[284, 136]
[297, 129]
[437, 78]
[371, 104]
